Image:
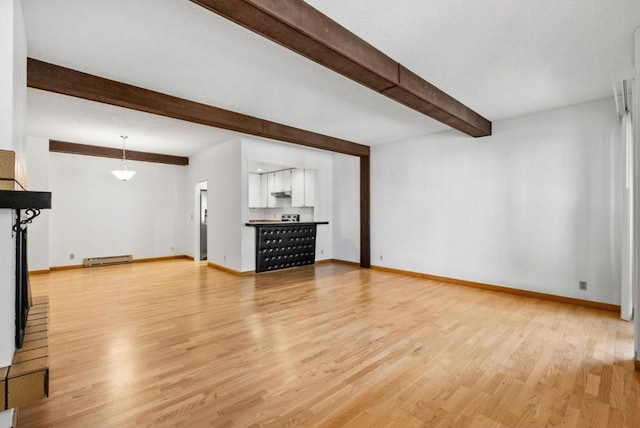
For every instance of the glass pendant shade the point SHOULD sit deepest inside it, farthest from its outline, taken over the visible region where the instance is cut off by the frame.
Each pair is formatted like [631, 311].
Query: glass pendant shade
[123, 173]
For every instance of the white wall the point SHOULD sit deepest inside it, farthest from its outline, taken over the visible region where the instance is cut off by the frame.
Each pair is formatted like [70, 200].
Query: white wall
[13, 54]
[19, 111]
[636, 120]
[219, 166]
[38, 232]
[346, 208]
[532, 207]
[93, 214]
[13, 77]
[296, 156]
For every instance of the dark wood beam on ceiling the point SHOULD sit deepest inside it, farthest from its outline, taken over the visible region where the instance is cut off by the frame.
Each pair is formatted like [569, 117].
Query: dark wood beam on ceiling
[54, 78]
[108, 152]
[299, 27]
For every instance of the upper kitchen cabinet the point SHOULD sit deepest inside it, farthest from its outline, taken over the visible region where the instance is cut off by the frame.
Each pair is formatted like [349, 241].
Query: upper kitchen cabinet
[303, 187]
[309, 187]
[286, 179]
[271, 188]
[256, 200]
[262, 188]
[278, 186]
[281, 186]
[283, 180]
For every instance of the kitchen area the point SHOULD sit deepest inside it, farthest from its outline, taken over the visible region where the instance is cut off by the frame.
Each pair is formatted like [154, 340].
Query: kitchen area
[281, 193]
[281, 208]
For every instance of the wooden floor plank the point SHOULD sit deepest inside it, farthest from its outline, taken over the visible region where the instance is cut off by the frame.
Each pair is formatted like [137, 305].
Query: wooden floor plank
[178, 344]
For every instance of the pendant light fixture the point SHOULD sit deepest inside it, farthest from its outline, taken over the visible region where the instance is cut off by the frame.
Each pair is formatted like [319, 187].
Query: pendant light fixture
[123, 173]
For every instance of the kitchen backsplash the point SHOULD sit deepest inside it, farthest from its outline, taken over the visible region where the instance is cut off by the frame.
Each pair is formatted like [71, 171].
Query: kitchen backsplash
[306, 214]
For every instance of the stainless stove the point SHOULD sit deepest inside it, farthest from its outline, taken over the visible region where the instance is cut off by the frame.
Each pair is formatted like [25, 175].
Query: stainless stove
[290, 217]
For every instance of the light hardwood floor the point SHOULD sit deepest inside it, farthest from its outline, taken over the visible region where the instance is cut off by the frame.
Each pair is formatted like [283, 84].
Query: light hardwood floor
[176, 343]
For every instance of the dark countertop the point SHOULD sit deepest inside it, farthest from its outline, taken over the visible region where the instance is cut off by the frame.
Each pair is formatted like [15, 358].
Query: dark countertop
[286, 223]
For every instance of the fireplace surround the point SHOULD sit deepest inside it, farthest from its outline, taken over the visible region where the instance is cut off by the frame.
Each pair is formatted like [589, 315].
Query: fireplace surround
[26, 206]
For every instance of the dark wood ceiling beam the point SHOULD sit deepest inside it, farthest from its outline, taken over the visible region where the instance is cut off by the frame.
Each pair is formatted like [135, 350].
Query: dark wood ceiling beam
[299, 27]
[108, 152]
[54, 78]
[249, 15]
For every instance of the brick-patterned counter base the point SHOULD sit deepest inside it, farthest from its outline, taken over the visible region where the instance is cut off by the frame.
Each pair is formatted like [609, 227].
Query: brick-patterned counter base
[27, 379]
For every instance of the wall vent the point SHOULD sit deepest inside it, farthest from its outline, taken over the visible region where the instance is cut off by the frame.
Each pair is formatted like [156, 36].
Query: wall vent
[105, 261]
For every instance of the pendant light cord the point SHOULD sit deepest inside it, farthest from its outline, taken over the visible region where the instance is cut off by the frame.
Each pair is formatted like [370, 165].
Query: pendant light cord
[124, 141]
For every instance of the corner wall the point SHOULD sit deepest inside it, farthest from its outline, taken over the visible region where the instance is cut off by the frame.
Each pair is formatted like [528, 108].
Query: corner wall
[531, 207]
[38, 235]
[346, 208]
[13, 75]
[636, 119]
[219, 166]
[13, 98]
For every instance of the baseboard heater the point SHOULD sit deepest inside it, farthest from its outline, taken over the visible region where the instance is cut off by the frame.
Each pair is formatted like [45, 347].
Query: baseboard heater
[106, 261]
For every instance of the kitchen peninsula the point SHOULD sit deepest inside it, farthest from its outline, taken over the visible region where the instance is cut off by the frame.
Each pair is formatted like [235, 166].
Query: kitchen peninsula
[284, 244]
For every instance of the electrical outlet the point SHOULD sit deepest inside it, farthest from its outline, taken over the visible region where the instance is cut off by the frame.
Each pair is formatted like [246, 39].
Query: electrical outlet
[321, 251]
[224, 257]
[72, 256]
[582, 285]
[381, 257]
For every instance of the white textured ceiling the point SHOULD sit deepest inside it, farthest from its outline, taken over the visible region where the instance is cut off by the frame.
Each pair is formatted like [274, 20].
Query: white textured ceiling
[500, 57]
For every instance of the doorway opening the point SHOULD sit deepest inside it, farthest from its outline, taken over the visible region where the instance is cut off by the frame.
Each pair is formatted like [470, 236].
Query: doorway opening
[203, 214]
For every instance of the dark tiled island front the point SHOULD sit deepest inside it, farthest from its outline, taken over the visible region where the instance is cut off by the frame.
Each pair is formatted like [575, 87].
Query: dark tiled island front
[281, 245]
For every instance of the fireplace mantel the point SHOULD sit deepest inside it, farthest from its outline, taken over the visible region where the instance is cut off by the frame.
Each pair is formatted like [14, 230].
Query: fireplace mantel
[24, 200]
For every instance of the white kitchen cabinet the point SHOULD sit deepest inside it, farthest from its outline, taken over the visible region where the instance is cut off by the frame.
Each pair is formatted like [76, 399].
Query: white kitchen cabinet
[299, 182]
[303, 187]
[283, 180]
[264, 190]
[309, 187]
[286, 179]
[255, 199]
[297, 187]
[278, 180]
[271, 187]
